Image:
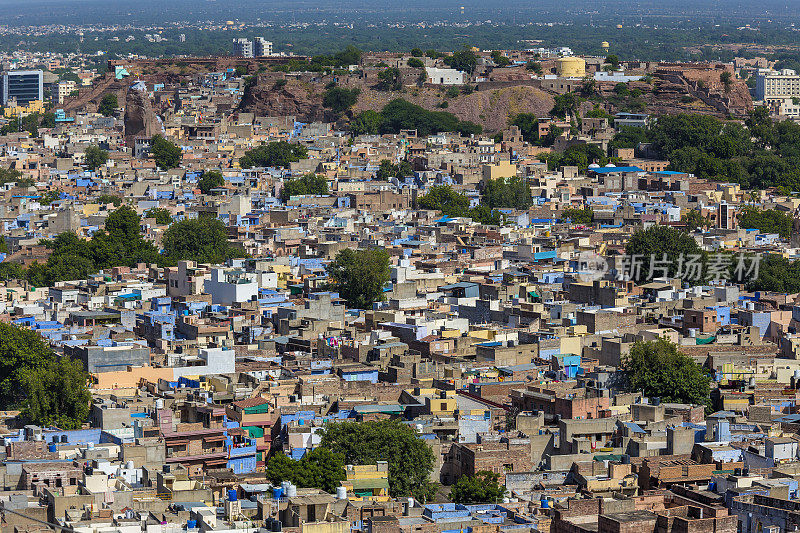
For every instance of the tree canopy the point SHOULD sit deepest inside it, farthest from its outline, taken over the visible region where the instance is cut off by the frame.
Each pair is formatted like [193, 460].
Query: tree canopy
[359, 275]
[578, 216]
[483, 487]
[95, 157]
[512, 192]
[210, 179]
[50, 390]
[400, 115]
[766, 221]
[464, 60]
[339, 99]
[165, 153]
[320, 468]
[274, 154]
[72, 258]
[659, 241]
[162, 216]
[306, 184]
[203, 239]
[387, 170]
[410, 459]
[108, 104]
[659, 369]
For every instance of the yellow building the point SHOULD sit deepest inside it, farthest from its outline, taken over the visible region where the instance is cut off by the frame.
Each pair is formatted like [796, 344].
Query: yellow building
[571, 67]
[367, 482]
[502, 169]
[34, 106]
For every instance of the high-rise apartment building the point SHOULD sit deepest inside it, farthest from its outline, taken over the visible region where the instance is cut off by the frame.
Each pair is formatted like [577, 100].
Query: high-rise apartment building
[262, 47]
[256, 48]
[24, 86]
[243, 47]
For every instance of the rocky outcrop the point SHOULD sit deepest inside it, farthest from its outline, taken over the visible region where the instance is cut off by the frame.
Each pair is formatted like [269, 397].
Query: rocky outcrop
[140, 119]
[266, 98]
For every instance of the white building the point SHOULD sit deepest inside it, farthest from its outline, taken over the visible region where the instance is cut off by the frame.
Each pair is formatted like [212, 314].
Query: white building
[444, 76]
[262, 47]
[243, 47]
[777, 86]
[228, 286]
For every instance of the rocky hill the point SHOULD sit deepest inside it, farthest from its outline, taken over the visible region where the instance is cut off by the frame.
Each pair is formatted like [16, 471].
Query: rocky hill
[490, 108]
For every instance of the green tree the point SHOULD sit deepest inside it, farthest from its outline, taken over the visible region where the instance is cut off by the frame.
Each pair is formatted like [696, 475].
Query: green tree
[613, 61]
[775, 274]
[410, 459]
[49, 197]
[766, 221]
[499, 59]
[108, 104]
[320, 468]
[535, 67]
[443, 198]
[416, 52]
[512, 192]
[464, 60]
[390, 79]
[727, 80]
[210, 179]
[203, 239]
[415, 63]
[484, 214]
[660, 241]
[314, 184]
[110, 199]
[49, 390]
[483, 487]
[165, 153]
[10, 175]
[565, 104]
[366, 123]
[658, 369]
[400, 115]
[95, 157]
[274, 154]
[339, 100]
[578, 216]
[360, 275]
[695, 220]
[162, 216]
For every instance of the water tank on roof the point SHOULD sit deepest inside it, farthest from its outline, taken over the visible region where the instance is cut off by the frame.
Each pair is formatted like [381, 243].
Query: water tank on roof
[52, 447]
[341, 493]
[277, 493]
[292, 492]
[130, 465]
[159, 403]
[191, 524]
[232, 496]
[419, 428]
[544, 503]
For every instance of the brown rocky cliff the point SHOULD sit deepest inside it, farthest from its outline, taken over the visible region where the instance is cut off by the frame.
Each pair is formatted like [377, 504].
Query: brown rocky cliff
[268, 99]
[140, 119]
